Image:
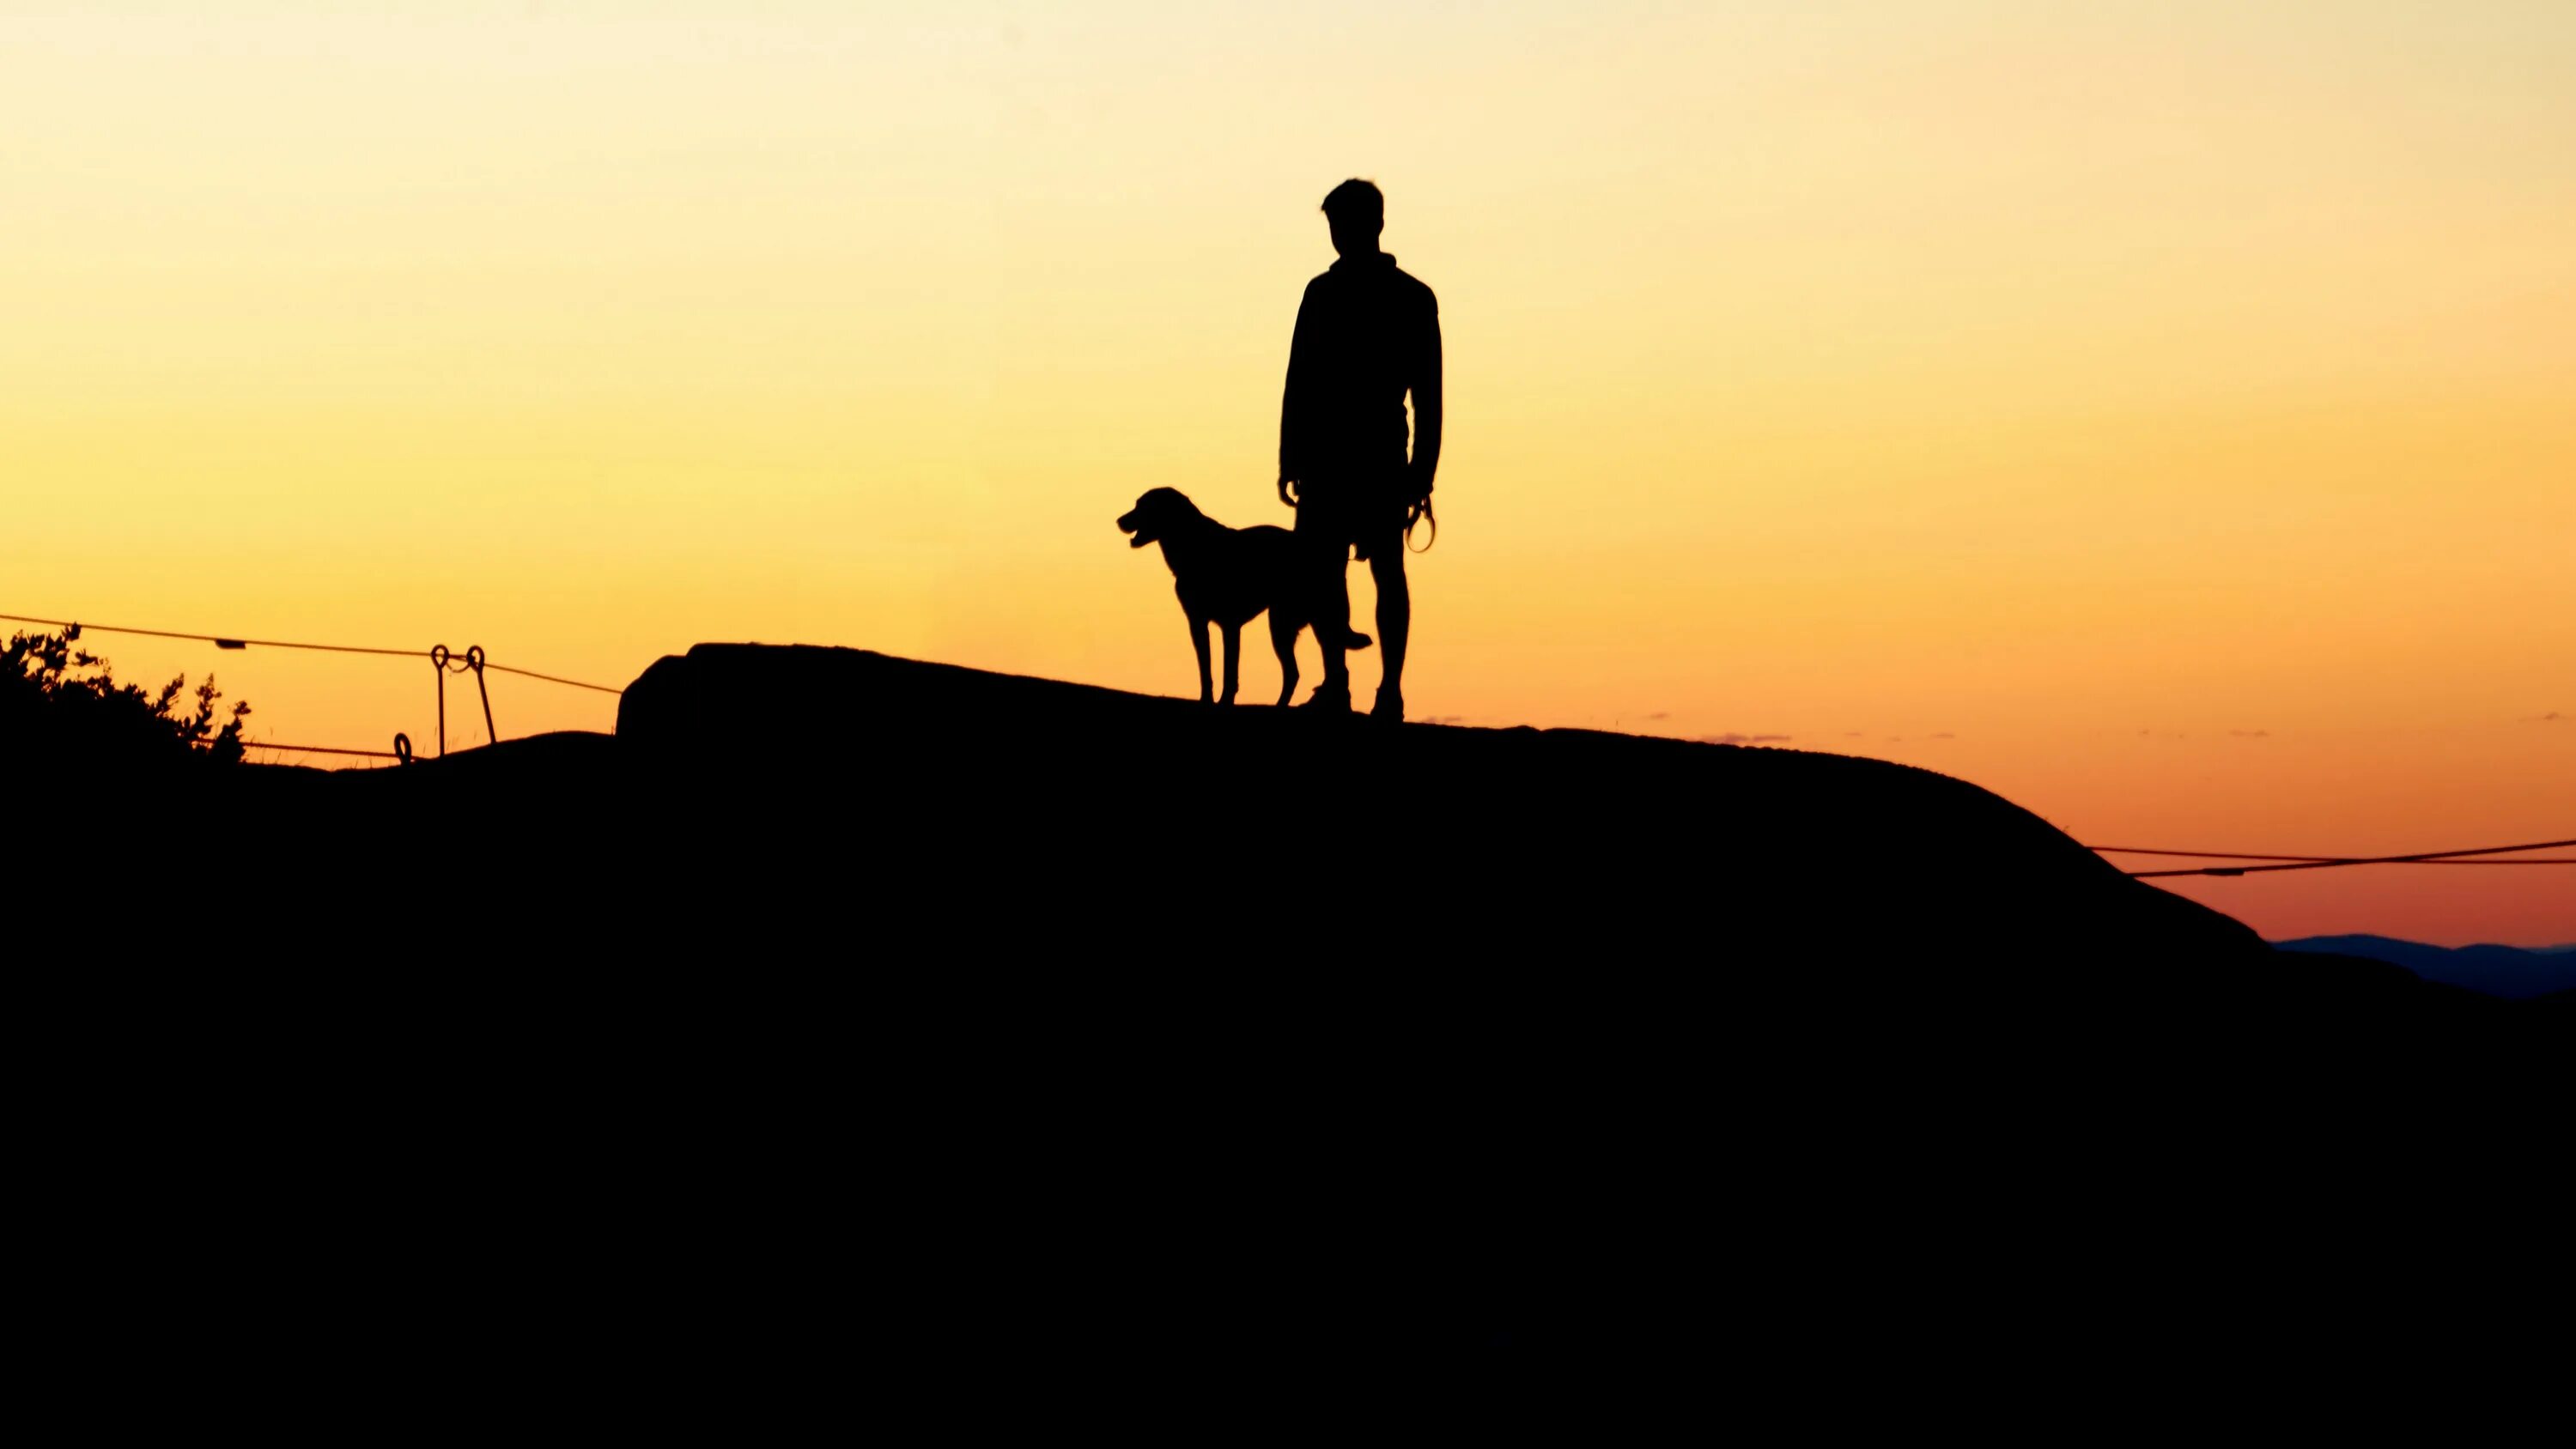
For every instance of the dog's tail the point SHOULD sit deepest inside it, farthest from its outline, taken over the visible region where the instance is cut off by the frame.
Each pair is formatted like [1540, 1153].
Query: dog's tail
[1355, 640]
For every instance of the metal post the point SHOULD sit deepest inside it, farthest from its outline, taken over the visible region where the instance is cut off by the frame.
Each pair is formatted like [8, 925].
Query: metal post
[474, 661]
[438, 662]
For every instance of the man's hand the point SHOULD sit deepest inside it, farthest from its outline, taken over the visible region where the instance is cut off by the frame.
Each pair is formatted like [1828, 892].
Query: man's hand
[1288, 490]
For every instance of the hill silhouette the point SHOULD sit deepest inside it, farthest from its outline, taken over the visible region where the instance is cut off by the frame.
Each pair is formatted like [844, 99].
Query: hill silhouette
[843, 1007]
[860, 795]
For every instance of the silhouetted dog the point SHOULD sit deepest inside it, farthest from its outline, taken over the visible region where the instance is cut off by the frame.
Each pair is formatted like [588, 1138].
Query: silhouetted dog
[1227, 575]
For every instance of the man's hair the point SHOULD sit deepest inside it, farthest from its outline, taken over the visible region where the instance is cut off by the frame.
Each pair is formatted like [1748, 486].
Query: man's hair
[1357, 200]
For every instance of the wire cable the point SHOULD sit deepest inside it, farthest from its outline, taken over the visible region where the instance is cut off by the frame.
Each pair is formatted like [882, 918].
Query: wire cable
[321, 750]
[551, 678]
[2274, 862]
[2292, 862]
[226, 641]
[2206, 854]
[2316, 859]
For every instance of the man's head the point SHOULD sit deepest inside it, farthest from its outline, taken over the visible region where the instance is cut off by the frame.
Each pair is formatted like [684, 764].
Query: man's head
[1356, 210]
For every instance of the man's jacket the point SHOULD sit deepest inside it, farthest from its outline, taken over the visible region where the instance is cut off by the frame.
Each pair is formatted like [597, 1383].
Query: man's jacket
[1367, 334]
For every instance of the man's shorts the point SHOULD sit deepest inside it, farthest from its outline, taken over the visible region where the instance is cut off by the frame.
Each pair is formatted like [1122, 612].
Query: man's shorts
[1363, 510]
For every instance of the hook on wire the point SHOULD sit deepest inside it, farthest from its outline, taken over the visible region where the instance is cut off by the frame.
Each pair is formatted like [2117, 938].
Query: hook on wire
[446, 662]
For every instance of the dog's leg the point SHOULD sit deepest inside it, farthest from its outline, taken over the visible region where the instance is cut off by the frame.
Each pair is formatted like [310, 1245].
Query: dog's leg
[1283, 642]
[1233, 662]
[1199, 642]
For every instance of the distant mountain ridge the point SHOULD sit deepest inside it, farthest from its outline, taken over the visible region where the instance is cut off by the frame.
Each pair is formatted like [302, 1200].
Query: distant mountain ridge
[2513, 972]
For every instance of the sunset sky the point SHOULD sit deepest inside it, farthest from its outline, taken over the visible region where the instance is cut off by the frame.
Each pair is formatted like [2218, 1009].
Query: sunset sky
[2163, 414]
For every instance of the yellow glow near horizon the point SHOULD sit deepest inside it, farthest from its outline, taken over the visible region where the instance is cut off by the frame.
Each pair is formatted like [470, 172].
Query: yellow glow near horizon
[2158, 413]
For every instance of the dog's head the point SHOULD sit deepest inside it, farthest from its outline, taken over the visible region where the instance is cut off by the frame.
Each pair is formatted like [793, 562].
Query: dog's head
[1157, 516]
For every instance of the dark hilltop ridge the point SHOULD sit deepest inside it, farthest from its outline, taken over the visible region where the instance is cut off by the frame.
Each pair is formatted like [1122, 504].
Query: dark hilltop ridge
[760, 805]
[846, 1022]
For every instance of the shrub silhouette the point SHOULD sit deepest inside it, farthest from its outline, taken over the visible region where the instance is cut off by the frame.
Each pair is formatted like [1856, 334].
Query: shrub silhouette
[58, 700]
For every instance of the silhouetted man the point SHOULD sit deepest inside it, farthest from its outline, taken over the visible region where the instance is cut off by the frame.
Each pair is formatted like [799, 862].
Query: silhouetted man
[1367, 334]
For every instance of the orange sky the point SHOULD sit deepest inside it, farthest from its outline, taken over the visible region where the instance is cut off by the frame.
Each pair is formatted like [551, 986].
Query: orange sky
[2157, 413]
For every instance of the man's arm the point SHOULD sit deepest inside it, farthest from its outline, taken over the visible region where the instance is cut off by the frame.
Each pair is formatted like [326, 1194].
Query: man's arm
[1293, 403]
[1426, 401]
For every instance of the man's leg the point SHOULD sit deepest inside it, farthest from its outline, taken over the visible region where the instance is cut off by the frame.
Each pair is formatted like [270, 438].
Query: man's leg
[1394, 621]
